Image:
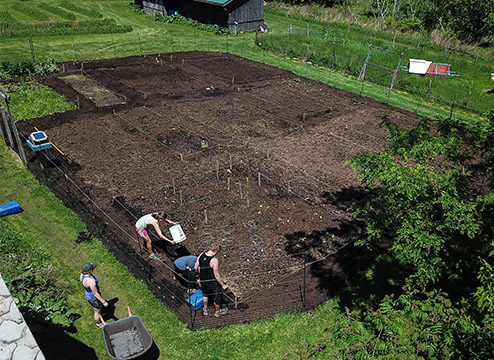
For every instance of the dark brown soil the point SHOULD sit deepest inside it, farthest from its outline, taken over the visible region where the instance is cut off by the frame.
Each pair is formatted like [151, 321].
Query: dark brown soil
[236, 151]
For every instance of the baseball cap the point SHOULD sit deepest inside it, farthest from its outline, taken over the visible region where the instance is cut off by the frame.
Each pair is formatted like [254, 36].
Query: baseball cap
[87, 266]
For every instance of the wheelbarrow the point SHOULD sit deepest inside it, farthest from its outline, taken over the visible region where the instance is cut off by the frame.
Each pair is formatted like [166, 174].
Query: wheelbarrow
[126, 338]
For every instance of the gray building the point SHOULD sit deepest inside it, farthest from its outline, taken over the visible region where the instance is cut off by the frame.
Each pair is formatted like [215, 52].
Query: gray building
[236, 15]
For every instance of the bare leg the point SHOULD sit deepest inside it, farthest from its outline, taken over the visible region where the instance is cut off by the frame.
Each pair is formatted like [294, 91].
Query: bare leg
[205, 301]
[217, 307]
[149, 245]
[96, 315]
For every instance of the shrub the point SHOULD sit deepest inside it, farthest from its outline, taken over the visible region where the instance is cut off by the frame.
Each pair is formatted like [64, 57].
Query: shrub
[20, 68]
[32, 280]
[179, 19]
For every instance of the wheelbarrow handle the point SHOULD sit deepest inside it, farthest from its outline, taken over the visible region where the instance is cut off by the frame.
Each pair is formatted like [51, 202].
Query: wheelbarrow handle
[102, 320]
[128, 308]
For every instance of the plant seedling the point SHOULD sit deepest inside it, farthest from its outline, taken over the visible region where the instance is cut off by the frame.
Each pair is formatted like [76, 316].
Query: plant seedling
[204, 144]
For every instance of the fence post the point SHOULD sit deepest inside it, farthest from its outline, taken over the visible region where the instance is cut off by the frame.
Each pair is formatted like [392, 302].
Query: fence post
[32, 50]
[139, 40]
[19, 142]
[452, 107]
[73, 47]
[333, 59]
[3, 115]
[305, 282]
[113, 45]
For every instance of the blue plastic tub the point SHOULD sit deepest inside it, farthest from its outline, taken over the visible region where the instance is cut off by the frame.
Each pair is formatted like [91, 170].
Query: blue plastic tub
[10, 208]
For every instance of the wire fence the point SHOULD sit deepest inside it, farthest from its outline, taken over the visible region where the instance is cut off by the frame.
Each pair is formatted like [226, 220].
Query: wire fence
[303, 285]
[332, 47]
[344, 48]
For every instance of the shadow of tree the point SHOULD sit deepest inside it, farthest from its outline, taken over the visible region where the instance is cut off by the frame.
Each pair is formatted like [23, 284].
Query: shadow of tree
[332, 256]
[56, 343]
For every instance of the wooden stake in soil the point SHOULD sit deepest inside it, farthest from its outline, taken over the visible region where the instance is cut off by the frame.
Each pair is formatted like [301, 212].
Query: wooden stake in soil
[182, 157]
[217, 169]
[231, 163]
[259, 178]
[240, 189]
[205, 216]
[180, 194]
[173, 184]
[228, 183]
[247, 198]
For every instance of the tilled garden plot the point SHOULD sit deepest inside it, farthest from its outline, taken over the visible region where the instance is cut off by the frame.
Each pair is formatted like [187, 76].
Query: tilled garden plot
[238, 152]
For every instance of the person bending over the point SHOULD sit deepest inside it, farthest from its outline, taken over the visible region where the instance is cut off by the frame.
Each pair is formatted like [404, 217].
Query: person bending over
[152, 219]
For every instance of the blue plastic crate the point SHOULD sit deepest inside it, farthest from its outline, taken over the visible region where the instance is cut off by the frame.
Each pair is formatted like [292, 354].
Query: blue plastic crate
[195, 300]
[39, 147]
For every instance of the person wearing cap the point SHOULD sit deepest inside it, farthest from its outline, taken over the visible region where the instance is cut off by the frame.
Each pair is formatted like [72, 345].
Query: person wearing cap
[152, 219]
[92, 292]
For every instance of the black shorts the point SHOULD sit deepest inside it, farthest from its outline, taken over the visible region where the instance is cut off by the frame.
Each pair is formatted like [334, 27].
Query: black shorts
[95, 303]
[213, 290]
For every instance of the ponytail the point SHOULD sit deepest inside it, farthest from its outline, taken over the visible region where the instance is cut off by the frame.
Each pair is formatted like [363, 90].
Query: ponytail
[160, 215]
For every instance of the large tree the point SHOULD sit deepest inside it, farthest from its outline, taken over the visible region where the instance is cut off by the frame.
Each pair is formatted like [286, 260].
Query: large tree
[431, 197]
[471, 19]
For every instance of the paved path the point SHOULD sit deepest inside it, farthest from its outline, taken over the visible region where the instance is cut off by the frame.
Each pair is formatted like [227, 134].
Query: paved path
[16, 340]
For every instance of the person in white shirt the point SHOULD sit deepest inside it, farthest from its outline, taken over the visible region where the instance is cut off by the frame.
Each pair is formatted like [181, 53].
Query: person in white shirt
[152, 219]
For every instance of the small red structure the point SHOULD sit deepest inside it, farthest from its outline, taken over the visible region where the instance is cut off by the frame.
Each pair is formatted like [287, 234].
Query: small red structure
[438, 69]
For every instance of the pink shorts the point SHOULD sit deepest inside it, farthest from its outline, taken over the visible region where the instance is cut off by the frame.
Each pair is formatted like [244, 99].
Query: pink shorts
[142, 233]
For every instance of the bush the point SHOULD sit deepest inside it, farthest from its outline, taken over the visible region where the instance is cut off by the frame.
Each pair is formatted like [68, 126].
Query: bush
[32, 280]
[21, 68]
[18, 68]
[179, 19]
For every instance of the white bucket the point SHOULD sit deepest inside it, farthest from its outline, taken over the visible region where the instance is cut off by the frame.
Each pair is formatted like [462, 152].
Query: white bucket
[177, 233]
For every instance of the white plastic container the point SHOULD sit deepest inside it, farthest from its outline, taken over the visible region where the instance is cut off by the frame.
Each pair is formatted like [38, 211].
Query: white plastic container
[177, 233]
